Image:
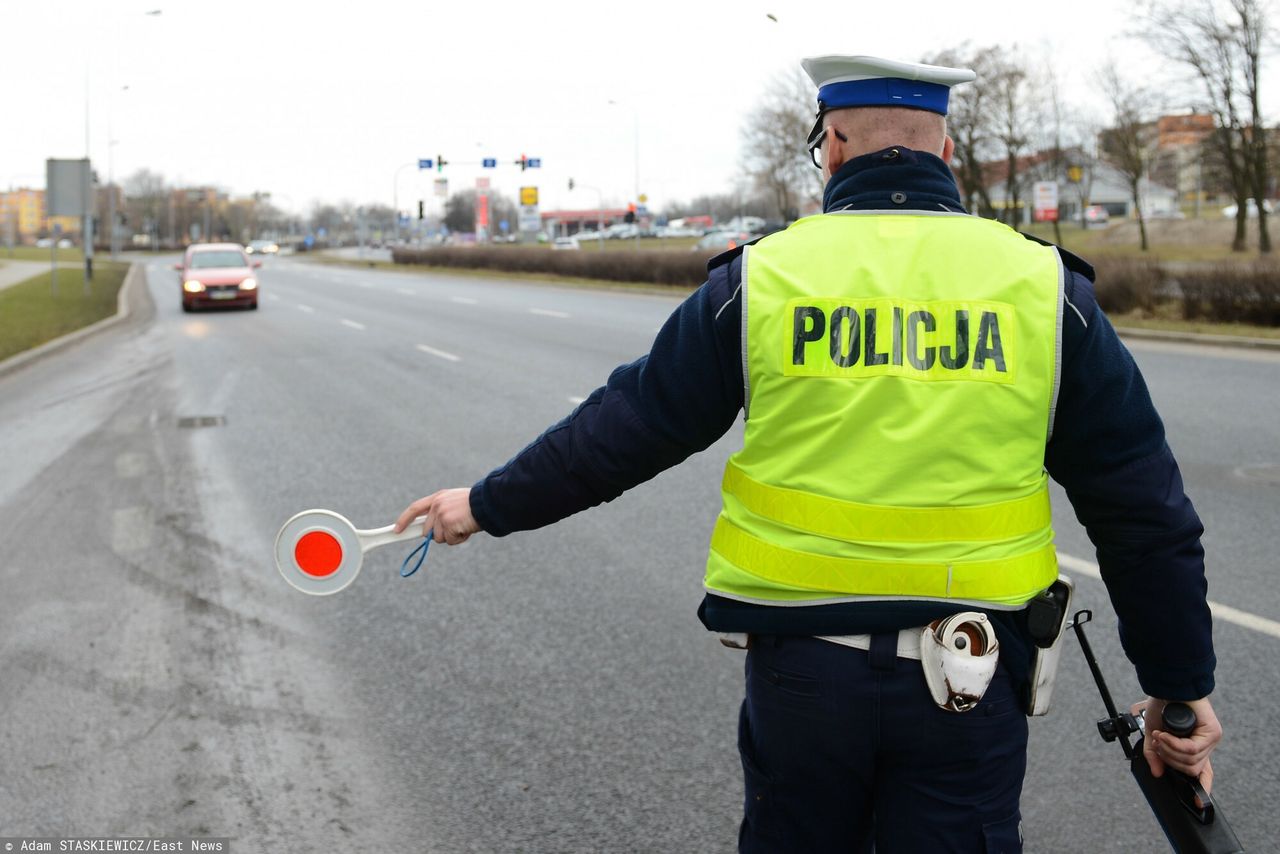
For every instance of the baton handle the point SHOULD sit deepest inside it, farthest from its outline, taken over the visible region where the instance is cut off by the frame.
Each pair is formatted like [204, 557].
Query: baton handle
[376, 537]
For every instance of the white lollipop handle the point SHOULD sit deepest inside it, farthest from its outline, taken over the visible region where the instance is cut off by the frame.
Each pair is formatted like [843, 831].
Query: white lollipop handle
[386, 536]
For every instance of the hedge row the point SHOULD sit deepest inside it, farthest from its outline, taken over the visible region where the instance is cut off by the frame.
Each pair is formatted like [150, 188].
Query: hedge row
[655, 267]
[1222, 293]
[1226, 293]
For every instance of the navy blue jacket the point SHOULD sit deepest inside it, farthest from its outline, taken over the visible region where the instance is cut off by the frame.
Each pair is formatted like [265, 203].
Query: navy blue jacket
[1107, 450]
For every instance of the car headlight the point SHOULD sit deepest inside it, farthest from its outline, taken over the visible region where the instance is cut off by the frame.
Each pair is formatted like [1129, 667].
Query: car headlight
[191, 286]
[249, 284]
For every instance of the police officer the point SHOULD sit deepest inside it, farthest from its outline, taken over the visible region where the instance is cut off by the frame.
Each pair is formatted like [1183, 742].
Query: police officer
[908, 374]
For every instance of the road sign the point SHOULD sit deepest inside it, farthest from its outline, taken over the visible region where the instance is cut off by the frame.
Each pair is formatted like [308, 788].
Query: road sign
[489, 162]
[69, 185]
[528, 195]
[482, 183]
[643, 198]
[504, 226]
[322, 232]
[1045, 194]
[426, 164]
[534, 162]
[442, 187]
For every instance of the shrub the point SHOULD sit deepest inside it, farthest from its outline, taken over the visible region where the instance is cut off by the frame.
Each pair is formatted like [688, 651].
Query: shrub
[1236, 293]
[1128, 284]
[648, 267]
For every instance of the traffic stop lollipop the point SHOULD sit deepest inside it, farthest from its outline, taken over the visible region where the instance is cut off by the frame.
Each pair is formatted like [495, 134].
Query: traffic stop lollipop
[320, 552]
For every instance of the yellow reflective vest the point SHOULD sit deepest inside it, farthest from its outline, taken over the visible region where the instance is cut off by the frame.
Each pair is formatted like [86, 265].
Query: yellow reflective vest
[900, 374]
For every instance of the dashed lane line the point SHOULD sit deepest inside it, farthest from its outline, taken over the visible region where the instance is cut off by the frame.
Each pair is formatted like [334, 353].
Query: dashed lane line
[308, 309]
[464, 300]
[273, 297]
[352, 324]
[1222, 612]
[365, 284]
[547, 312]
[406, 291]
[448, 357]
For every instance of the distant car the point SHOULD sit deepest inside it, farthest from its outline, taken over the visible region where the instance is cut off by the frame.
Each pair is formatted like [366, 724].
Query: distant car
[217, 274]
[261, 247]
[1096, 215]
[1251, 209]
[64, 243]
[44, 243]
[565, 243]
[723, 241]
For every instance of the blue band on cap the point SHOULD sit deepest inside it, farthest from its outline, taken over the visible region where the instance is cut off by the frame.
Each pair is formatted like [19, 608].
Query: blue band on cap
[886, 92]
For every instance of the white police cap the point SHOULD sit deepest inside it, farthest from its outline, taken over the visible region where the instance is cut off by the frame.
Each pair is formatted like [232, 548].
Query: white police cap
[867, 81]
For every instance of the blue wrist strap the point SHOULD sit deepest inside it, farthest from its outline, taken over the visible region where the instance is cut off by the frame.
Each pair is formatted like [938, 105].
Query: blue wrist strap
[421, 552]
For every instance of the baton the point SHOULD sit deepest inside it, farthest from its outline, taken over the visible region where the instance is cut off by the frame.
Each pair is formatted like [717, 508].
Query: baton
[1190, 828]
[320, 552]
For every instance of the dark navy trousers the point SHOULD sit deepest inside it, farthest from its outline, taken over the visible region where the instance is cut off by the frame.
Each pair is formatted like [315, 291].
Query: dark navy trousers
[843, 749]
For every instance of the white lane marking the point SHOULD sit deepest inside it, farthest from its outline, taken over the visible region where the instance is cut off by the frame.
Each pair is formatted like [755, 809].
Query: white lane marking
[546, 312]
[130, 529]
[449, 357]
[406, 291]
[365, 284]
[308, 309]
[1222, 612]
[333, 278]
[464, 300]
[273, 297]
[352, 324]
[576, 400]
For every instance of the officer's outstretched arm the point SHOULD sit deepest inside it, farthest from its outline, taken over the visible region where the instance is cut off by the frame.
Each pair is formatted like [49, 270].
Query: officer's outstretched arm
[448, 513]
[1189, 755]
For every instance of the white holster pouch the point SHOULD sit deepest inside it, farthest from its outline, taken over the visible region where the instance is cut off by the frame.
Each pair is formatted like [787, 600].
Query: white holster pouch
[1047, 623]
[959, 655]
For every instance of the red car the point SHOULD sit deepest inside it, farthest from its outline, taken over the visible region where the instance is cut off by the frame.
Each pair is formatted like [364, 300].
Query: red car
[217, 274]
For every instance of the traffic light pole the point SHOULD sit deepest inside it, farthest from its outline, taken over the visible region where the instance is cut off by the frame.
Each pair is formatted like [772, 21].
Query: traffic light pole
[395, 193]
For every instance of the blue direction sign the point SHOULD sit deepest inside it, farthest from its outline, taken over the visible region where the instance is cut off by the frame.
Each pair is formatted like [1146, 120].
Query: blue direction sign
[505, 226]
[426, 164]
[489, 162]
[534, 162]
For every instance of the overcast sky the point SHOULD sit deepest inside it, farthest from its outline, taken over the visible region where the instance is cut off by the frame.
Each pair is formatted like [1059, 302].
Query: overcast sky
[324, 100]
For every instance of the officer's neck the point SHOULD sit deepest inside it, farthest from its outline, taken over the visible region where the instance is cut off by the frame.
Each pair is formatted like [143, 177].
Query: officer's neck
[895, 178]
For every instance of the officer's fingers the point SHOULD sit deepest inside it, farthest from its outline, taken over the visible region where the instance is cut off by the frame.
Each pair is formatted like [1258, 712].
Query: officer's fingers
[413, 511]
[1153, 758]
[1183, 754]
[1206, 780]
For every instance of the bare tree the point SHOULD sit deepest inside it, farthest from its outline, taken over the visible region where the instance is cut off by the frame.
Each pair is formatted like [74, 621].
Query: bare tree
[773, 151]
[1225, 57]
[970, 123]
[1130, 142]
[1014, 123]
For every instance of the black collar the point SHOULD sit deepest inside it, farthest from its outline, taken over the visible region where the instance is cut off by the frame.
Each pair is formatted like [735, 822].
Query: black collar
[895, 178]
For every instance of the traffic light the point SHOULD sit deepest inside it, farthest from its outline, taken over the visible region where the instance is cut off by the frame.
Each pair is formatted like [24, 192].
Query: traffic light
[570, 183]
[524, 162]
[421, 212]
[439, 162]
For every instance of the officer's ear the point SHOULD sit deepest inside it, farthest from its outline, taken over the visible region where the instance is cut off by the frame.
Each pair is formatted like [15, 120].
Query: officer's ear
[835, 152]
[948, 148]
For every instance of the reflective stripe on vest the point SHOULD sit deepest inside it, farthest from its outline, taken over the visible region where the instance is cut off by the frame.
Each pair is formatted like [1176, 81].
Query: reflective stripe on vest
[900, 371]
[848, 520]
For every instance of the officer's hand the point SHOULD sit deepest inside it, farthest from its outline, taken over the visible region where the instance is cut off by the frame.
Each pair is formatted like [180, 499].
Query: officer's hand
[1189, 755]
[448, 513]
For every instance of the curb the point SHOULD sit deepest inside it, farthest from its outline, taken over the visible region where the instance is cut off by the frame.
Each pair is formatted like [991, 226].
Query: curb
[1201, 338]
[122, 314]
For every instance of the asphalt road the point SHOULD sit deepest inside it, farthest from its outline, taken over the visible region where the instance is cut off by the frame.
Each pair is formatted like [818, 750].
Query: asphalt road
[549, 691]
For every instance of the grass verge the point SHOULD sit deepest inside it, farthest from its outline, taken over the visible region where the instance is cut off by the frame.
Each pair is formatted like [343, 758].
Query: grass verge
[31, 253]
[30, 314]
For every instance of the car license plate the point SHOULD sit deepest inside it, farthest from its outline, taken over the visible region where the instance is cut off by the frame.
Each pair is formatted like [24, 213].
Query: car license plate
[223, 295]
